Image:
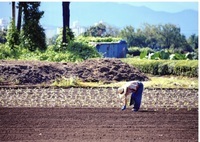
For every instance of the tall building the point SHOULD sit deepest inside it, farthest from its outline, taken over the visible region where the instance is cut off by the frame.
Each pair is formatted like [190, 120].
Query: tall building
[77, 29]
[3, 24]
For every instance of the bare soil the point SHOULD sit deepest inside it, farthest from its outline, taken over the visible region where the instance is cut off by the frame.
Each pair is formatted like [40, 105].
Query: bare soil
[97, 125]
[94, 115]
[93, 70]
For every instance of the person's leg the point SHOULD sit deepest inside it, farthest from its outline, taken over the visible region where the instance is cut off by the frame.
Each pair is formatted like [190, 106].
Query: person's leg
[132, 101]
[138, 97]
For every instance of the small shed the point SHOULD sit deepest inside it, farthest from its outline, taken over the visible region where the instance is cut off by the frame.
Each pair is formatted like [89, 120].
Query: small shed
[112, 49]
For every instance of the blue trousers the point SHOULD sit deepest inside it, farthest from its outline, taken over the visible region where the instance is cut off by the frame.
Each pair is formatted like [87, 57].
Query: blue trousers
[136, 97]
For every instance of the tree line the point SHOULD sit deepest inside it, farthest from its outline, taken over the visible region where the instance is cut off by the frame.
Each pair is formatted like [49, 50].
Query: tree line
[156, 37]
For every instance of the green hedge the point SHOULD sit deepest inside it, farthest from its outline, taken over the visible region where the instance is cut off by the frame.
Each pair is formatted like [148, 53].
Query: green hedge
[97, 39]
[165, 67]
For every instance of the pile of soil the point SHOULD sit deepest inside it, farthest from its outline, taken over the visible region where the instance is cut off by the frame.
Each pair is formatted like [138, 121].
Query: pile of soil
[93, 70]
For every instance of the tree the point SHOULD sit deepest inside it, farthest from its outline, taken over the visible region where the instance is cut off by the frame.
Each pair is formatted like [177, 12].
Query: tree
[32, 35]
[12, 36]
[19, 19]
[13, 12]
[193, 41]
[101, 30]
[66, 19]
[151, 35]
[170, 36]
[3, 36]
[128, 33]
[112, 31]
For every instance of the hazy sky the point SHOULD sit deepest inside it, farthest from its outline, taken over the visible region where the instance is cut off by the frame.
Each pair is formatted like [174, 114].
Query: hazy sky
[168, 6]
[54, 8]
[158, 5]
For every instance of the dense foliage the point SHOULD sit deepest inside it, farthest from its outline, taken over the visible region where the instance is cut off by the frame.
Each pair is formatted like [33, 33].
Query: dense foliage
[32, 35]
[89, 39]
[166, 55]
[148, 53]
[58, 43]
[3, 36]
[159, 37]
[75, 52]
[166, 67]
[136, 51]
[12, 36]
[101, 30]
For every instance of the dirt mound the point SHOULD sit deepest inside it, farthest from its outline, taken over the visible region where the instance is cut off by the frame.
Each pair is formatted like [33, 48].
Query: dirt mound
[107, 70]
[37, 72]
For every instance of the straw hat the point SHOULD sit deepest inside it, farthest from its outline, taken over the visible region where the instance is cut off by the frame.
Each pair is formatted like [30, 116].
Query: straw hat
[122, 90]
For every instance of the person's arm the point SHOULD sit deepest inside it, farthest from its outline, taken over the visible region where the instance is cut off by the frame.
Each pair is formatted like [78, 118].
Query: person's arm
[125, 101]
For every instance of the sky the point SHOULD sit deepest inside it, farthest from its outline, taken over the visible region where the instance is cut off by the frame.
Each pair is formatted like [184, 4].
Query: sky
[167, 6]
[154, 5]
[171, 7]
[55, 7]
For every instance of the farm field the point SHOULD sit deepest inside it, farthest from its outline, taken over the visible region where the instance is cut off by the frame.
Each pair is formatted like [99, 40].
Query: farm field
[32, 109]
[97, 124]
[94, 114]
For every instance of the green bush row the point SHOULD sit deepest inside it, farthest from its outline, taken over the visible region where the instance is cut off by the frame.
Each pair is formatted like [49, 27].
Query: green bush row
[165, 67]
[74, 52]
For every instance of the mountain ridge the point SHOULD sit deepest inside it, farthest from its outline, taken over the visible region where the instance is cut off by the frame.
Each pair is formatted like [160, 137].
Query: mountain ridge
[121, 15]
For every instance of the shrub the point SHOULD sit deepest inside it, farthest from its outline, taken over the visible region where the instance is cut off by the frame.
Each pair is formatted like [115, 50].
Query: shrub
[135, 51]
[96, 39]
[59, 46]
[74, 52]
[82, 51]
[165, 55]
[166, 67]
[12, 36]
[4, 51]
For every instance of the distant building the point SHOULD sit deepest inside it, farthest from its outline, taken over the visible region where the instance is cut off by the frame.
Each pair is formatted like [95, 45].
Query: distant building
[112, 49]
[77, 29]
[3, 24]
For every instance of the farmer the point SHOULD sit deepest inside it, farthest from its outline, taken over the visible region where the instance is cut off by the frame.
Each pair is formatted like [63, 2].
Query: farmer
[135, 88]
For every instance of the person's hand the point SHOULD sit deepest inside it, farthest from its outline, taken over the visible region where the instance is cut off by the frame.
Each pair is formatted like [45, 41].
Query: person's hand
[124, 107]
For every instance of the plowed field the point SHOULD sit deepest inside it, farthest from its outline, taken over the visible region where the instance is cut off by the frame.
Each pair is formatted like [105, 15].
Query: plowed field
[97, 124]
[79, 115]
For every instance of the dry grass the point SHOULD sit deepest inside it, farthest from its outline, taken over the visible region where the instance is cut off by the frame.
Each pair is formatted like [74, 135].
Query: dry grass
[172, 82]
[155, 82]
